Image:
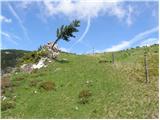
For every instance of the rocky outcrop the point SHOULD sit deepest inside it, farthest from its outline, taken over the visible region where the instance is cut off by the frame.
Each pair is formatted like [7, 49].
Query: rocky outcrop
[52, 52]
[40, 64]
[29, 67]
[26, 68]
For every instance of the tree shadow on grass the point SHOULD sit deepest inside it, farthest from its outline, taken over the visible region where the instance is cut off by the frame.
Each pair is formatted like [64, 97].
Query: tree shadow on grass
[62, 61]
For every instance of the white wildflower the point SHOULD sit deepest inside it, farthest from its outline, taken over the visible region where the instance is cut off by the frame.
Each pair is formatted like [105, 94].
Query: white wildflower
[76, 108]
[35, 91]
[87, 82]
[4, 98]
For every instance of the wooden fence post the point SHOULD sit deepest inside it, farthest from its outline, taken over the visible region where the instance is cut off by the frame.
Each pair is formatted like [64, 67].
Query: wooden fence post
[93, 50]
[146, 68]
[112, 57]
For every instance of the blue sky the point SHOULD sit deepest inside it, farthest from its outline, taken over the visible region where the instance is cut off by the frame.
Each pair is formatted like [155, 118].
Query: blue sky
[105, 26]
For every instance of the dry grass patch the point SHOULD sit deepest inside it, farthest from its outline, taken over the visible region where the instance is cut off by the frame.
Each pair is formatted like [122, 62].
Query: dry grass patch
[84, 96]
[7, 104]
[48, 85]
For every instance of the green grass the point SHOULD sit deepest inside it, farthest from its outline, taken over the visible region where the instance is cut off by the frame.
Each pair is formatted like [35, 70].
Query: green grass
[118, 90]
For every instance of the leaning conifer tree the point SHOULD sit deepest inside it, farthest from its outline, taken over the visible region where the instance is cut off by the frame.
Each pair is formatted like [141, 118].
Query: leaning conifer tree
[65, 32]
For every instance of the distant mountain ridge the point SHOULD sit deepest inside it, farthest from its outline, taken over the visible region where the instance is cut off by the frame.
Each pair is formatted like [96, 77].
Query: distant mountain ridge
[9, 58]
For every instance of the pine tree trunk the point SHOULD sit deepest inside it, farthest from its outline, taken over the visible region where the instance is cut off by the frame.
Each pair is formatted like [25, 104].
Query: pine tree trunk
[146, 68]
[55, 43]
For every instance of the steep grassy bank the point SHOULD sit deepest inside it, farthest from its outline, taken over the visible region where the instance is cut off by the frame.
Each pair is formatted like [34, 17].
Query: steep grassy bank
[111, 90]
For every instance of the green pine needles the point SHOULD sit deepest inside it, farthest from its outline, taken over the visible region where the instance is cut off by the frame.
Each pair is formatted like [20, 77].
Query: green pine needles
[65, 32]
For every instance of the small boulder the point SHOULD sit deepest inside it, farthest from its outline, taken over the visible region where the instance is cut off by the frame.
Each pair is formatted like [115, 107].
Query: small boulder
[40, 64]
[53, 52]
[26, 68]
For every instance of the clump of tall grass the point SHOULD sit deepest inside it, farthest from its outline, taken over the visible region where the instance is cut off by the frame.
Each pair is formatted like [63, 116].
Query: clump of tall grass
[84, 96]
[7, 104]
[48, 85]
[134, 71]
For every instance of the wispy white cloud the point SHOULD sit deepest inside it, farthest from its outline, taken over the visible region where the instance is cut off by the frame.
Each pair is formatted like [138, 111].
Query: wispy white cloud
[129, 19]
[25, 4]
[143, 35]
[5, 34]
[149, 41]
[138, 40]
[79, 9]
[9, 37]
[64, 49]
[83, 35]
[83, 9]
[20, 22]
[117, 47]
[15, 36]
[5, 19]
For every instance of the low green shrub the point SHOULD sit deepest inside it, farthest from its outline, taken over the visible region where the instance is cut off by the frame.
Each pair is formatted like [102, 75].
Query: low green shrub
[7, 104]
[84, 96]
[48, 85]
[156, 51]
[19, 78]
[33, 57]
[83, 100]
[33, 83]
[85, 93]
[34, 71]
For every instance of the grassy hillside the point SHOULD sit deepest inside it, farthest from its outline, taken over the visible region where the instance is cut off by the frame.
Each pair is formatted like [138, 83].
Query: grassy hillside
[9, 57]
[78, 86]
